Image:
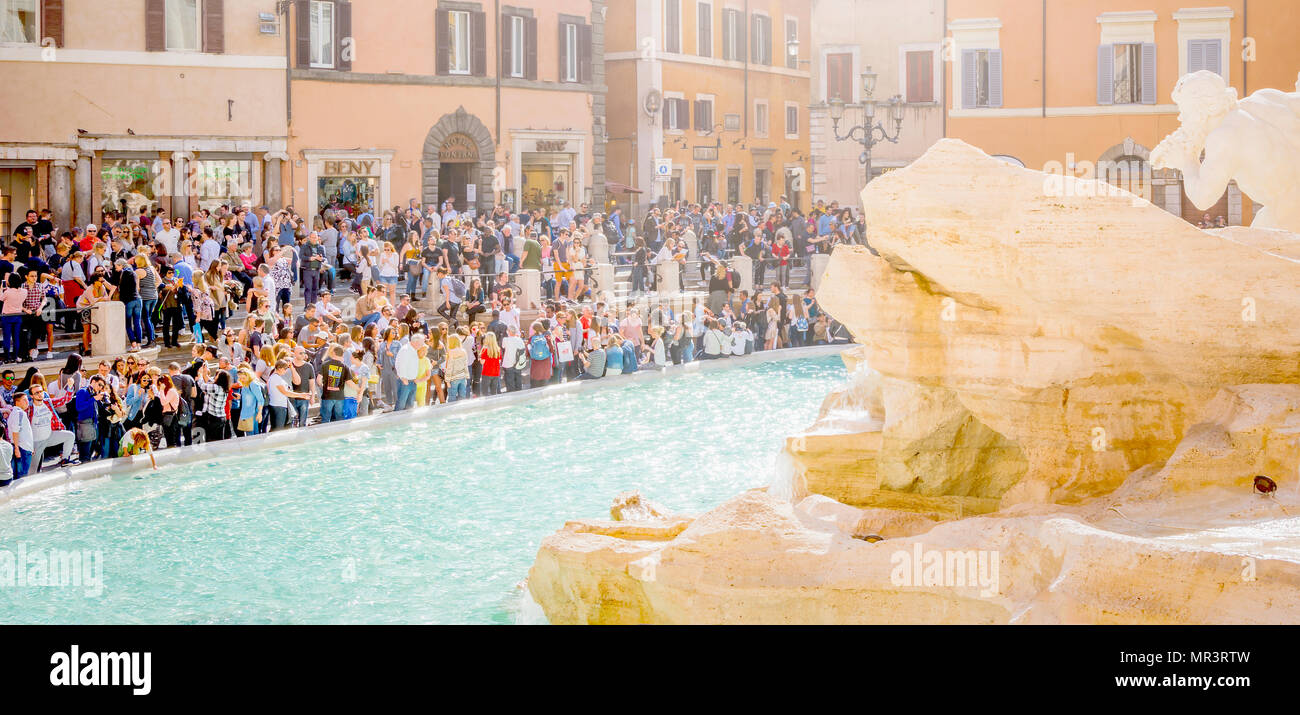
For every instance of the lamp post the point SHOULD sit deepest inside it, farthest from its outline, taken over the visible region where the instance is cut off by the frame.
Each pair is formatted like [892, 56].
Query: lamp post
[868, 134]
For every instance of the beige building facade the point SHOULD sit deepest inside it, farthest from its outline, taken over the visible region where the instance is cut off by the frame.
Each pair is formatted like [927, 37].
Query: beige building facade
[134, 104]
[901, 42]
[476, 102]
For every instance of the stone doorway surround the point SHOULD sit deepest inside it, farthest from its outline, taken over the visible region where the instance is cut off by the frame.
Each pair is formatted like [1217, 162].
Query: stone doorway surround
[459, 122]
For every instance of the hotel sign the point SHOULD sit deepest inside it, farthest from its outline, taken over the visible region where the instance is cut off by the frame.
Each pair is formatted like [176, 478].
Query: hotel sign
[359, 167]
[458, 148]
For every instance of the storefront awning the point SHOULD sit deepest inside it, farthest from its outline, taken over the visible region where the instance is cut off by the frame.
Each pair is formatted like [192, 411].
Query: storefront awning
[614, 187]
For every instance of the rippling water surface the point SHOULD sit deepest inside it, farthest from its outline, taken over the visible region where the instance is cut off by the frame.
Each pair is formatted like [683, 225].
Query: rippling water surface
[423, 523]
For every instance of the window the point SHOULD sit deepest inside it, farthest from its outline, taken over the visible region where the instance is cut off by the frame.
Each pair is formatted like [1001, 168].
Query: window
[322, 34]
[458, 56]
[839, 76]
[570, 73]
[704, 186]
[920, 76]
[704, 115]
[672, 26]
[18, 21]
[792, 43]
[704, 29]
[761, 189]
[575, 52]
[676, 114]
[791, 120]
[762, 53]
[733, 186]
[733, 35]
[1126, 73]
[760, 118]
[1204, 55]
[517, 58]
[183, 24]
[981, 78]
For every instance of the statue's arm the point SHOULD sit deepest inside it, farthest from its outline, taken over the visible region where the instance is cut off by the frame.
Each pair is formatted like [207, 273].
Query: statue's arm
[1204, 182]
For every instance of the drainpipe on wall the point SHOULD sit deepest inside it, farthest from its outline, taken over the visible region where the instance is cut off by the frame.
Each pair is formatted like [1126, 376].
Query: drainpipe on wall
[497, 7]
[288, 67]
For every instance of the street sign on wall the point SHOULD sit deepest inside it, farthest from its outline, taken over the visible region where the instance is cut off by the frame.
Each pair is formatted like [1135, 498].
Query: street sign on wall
[663, 169]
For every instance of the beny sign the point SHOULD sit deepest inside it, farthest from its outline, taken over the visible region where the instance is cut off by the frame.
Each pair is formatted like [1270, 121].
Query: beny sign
[358, 167]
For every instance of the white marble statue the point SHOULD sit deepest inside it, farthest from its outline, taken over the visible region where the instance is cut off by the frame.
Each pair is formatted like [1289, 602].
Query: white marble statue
[1254, 141]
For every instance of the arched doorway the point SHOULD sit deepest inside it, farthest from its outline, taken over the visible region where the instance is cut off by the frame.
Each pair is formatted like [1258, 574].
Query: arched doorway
[459, 156]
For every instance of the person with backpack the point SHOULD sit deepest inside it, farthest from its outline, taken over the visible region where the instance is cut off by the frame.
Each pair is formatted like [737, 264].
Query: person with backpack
[798, 324]
[514, 359]
[540, 351]
[453, 294]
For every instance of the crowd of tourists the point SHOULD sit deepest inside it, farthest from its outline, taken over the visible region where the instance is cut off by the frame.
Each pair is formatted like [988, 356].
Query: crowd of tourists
[279, 367]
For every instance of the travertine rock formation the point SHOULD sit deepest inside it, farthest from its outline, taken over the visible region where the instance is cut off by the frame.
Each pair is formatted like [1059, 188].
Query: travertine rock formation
[1060, 402]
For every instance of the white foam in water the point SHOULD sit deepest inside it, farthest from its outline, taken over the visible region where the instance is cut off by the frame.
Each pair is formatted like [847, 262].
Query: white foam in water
[530, 613]
[783, 483]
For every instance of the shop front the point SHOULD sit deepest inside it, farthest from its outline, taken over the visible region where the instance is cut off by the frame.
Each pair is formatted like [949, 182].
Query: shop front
[132, 181]
[357, 182]
[179, 181]
[17, 194]
[549, 169]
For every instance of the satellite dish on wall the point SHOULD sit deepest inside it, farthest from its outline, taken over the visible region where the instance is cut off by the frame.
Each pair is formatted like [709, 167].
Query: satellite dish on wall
[654, 100]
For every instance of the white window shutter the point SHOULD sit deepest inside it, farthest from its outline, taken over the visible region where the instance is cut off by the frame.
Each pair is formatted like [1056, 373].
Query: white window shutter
[995, 78]
[969, 78]
[1213, 53]
[1106, 74]
[1148, 73]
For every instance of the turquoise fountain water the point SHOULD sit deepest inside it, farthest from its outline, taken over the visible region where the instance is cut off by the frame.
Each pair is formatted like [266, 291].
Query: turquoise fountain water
[433, 522]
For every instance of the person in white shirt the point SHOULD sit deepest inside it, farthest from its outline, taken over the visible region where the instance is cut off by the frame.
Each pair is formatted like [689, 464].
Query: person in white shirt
[170, 236]
[44, 435]
[19, 430]
[279, 391]
[740, 335]
[408, 368]
[328, 312]
[510, 315]
[512, 348]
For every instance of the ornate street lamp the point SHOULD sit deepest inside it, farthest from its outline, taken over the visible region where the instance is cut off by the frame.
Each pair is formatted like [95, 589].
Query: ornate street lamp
[869, 133]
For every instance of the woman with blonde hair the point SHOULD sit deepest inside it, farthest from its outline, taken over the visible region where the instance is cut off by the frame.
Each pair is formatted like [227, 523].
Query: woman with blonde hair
[148, 282]
[659, 354]
[456, 368]
[423, 375]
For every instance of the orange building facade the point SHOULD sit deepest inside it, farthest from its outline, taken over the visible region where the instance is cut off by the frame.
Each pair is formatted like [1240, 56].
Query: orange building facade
[708, 101]
[1074, 85]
